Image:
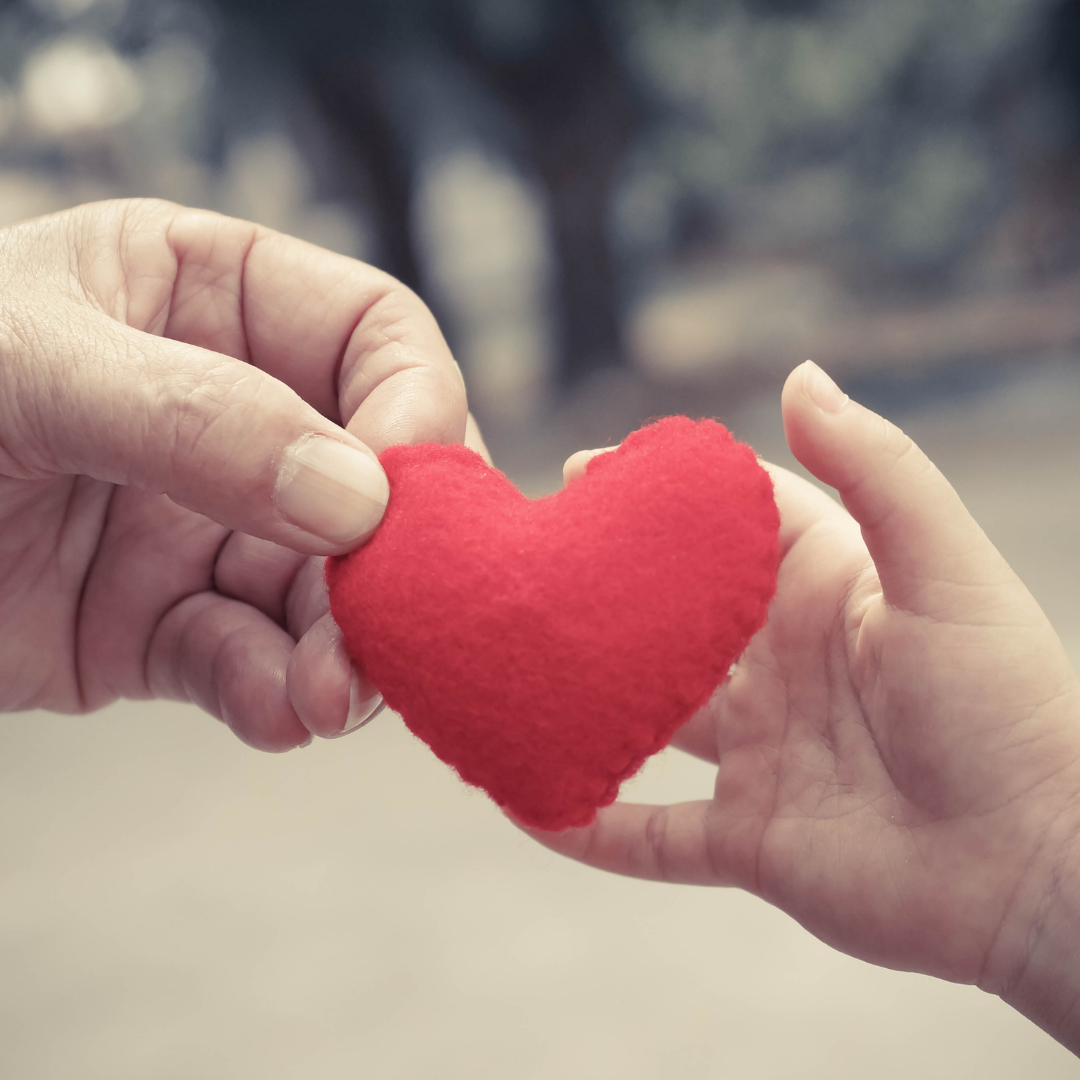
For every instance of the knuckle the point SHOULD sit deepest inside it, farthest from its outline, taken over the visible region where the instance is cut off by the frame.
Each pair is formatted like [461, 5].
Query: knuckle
[654, 843]
[193, 406]
[900, 451]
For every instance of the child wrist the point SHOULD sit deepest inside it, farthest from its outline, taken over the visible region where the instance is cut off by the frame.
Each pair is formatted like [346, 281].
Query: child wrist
[1035, 965]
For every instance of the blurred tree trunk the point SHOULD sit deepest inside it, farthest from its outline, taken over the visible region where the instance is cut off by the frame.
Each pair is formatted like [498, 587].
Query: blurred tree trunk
[579, 111]
[375, 162]
[567, 86]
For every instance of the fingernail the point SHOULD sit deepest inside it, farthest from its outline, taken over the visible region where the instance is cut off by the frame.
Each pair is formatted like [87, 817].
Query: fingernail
[363, 707]
[307, 742]
[576, 464]
[822, 391]
[331, 490]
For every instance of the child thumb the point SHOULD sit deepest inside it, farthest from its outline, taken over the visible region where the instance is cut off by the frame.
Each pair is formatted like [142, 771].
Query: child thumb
[920, 535]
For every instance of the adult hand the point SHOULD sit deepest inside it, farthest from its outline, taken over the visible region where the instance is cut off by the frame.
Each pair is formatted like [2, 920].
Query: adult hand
[898, 751]
[190, 412]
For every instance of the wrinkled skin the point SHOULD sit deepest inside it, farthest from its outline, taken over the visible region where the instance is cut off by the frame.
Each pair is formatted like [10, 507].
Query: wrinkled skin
[148, 349]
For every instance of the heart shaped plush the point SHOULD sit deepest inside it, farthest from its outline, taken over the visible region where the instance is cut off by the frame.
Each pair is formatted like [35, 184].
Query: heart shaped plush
[546, 648]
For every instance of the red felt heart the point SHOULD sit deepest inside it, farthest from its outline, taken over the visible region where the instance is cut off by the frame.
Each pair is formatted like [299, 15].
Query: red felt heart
[546, 648]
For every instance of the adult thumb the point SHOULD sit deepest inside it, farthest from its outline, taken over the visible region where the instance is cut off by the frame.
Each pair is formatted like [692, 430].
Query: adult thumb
[217, 435]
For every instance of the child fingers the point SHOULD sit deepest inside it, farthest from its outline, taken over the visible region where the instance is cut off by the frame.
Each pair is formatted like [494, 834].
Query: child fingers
[474, 439]
[698, 735]
[576, 463]
[803, 506]
[658, 843]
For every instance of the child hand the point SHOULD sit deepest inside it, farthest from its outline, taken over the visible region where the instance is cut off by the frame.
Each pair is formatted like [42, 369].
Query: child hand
[898, 751]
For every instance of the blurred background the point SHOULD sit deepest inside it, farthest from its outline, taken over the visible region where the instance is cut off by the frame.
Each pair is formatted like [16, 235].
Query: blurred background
[617, 209]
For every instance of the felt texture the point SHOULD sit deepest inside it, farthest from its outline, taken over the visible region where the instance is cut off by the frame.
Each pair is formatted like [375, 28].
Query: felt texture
[546, 648]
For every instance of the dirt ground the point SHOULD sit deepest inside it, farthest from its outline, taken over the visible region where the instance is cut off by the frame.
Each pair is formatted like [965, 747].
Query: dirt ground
[174, 905]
